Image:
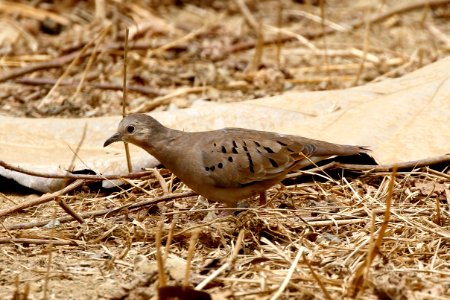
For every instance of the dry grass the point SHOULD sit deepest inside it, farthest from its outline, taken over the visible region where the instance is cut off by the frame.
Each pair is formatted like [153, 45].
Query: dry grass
[318, 239]
[325, 228]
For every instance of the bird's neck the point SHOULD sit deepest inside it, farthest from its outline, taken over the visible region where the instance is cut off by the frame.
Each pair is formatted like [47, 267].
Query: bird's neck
[162, 144]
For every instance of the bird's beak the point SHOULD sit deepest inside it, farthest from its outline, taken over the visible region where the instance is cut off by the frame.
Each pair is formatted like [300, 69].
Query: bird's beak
[115, 138]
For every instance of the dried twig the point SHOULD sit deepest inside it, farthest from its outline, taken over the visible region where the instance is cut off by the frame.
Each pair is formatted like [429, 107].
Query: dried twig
[102, 212]
[47, 99]
[63, 60]
[43, 199]
[352, 25]
[159, 257]
[289, 274]
[125, 98]
[37, 241]
[69, 210]
[365, 50]
[226, 265]
[377, 168]
[12, 7]
[92, 57]
[439, 34]
[102, 86]
[190, 255]
[248, 17]
[317, 278]
[75, 176]
[148, 106]
[360, 279]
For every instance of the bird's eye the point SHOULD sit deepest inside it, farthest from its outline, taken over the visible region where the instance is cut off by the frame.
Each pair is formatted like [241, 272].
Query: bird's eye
[130, 128]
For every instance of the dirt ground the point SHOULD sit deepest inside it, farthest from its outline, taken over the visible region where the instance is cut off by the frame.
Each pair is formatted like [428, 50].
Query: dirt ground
[323, 237]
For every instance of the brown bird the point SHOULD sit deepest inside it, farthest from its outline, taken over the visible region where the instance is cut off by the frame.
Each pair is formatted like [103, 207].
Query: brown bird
[229, 164]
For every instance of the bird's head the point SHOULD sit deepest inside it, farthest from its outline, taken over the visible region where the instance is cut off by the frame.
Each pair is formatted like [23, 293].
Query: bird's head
[135, 129]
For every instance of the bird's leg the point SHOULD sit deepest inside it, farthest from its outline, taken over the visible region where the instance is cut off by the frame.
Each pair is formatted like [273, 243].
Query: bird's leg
[262, 199]
[239, 207]
[225, 213]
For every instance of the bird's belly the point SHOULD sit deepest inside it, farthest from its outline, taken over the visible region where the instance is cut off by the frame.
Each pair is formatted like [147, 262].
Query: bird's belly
[205, 186]
[230, 195]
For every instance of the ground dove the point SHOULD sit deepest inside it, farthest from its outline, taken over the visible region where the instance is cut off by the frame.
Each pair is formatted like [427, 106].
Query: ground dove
[229, 164]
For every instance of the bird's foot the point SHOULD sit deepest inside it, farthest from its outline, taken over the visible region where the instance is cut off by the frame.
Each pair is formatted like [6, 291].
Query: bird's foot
[262, 199]
[239, 208]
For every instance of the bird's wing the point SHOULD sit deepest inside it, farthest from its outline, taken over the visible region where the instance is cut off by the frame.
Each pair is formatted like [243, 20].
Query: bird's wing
[235, 157]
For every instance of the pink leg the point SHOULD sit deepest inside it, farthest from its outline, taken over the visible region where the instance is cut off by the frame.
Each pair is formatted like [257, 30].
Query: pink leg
[224, 213]
[262, 199]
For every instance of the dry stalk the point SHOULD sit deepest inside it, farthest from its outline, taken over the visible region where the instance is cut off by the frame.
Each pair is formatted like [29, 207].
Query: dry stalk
[317, 278]
[102, 212]
[104, 234]
[376, 18]
[63, 60]
[43, 199]
[238, 246]
[8, 199]
[12, 7]
[279, 45]
[366, 46]
[169, 239]
[359, 282]
[248, 17]
[33, 241]
[60, 201]
[288, 276]
[438, 34]
[180, 41]
[191, 250]
[17, 295]
[148, 106]
[91, 60]
[69, 210]
[100, 9]
[257, 57]
[161, 180]
[227, 265]
[75, 176]
[125, 97]
[49, 261]
[99, 85]
[159, 257]
[47, 100]
[400, 9]
[438, 217]
[325, 47]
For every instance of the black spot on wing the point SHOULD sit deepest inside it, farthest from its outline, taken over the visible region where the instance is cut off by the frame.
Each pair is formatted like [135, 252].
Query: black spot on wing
[220, 165]
[230, 159]
[224, 150]
[273, 163]
[268, 149]
[257, 144]
[234, 144]
[234, 150]
[250, 163]
[282, 144]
